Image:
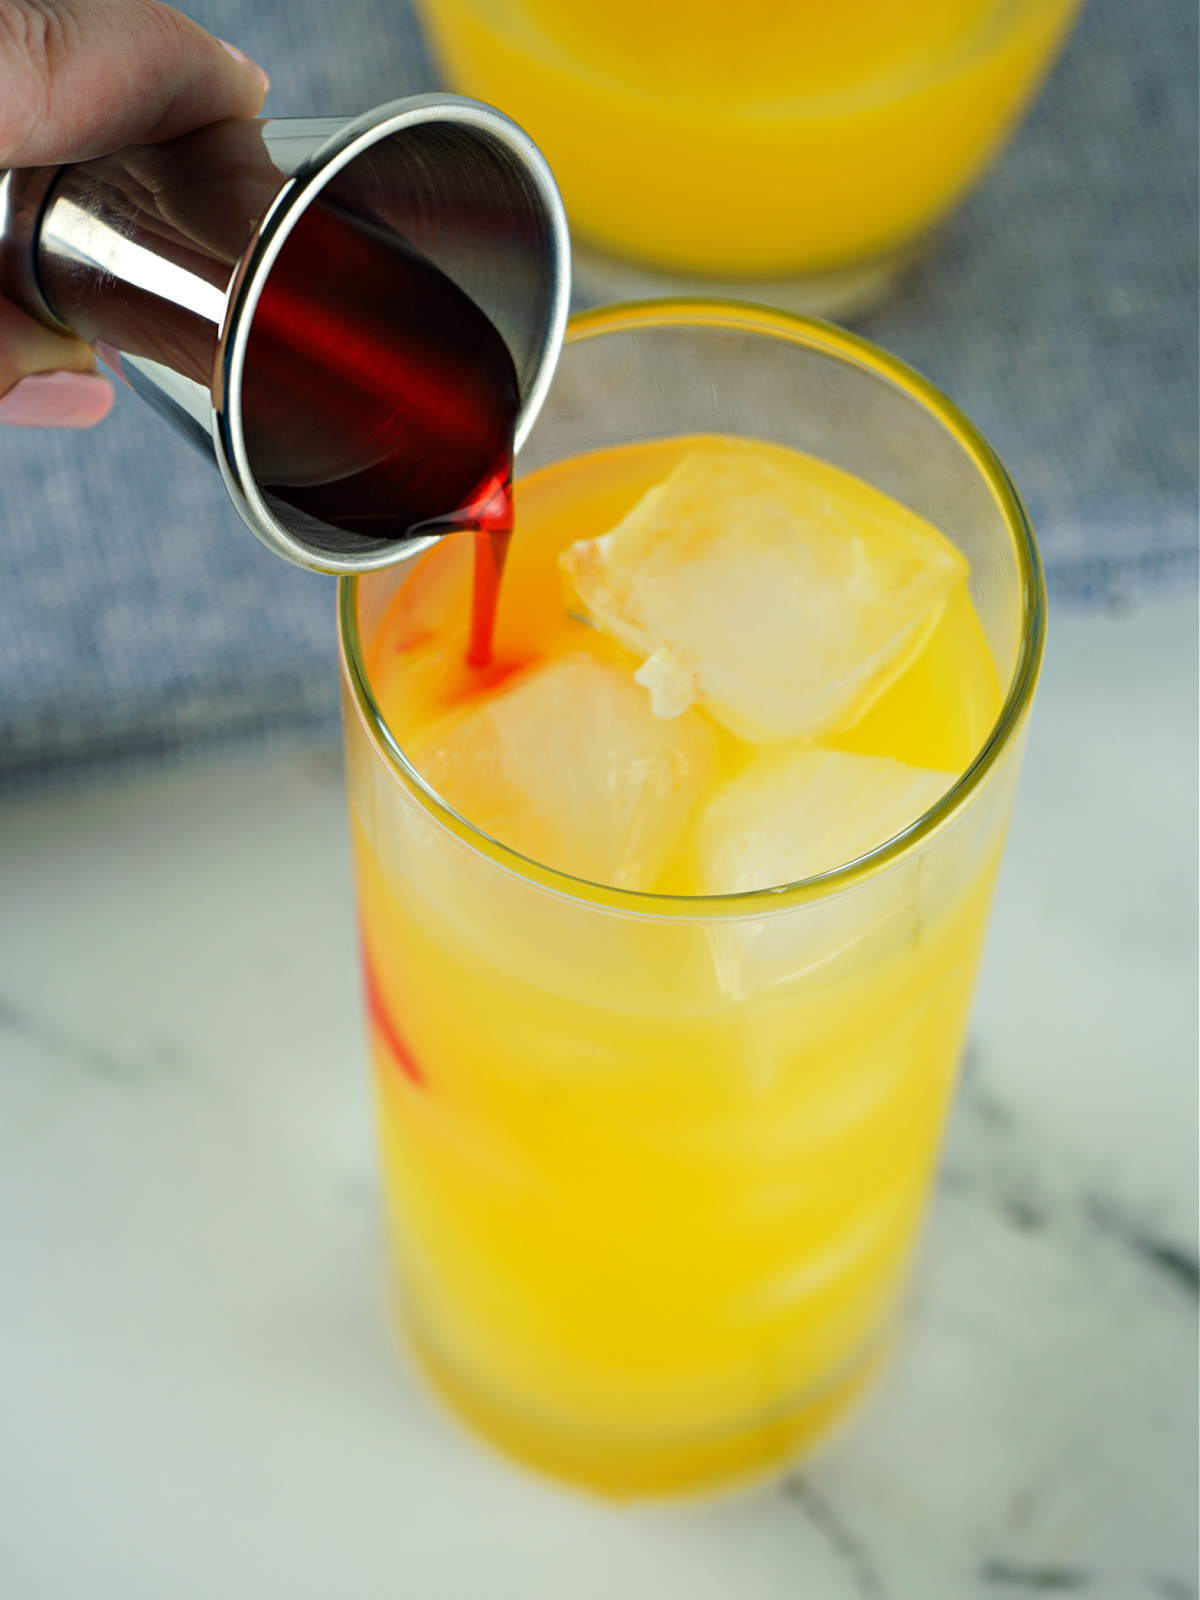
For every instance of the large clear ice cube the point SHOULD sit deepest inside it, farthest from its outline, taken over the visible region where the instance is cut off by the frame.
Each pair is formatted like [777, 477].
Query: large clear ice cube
[782, 593]
[796, 812]
[570, 768]
[793, 813]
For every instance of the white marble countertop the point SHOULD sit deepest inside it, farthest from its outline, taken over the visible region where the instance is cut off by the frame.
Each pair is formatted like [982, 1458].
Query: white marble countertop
[199, 1397]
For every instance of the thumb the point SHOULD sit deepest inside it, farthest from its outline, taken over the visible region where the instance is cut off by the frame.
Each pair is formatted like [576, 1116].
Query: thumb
[81, 78]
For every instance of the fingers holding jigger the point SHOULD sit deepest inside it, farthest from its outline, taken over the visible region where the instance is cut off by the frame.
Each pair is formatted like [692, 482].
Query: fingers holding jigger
[80, 79]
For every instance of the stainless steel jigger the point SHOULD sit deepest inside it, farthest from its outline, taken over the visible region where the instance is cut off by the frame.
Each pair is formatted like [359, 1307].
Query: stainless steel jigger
[157, 256]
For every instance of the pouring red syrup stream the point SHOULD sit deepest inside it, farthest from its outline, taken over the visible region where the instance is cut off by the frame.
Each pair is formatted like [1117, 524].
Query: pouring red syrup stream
[379, 399]
[492, 535]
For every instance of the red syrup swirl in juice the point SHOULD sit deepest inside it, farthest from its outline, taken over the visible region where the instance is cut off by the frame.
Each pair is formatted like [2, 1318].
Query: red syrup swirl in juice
[379, 398]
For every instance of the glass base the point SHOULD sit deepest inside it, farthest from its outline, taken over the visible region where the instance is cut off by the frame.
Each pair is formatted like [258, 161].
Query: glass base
[598, 279]
[630, 1469]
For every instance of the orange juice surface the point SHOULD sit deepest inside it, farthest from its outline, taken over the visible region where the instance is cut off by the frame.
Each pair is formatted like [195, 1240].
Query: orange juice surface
[775, 137]
[654, 1172]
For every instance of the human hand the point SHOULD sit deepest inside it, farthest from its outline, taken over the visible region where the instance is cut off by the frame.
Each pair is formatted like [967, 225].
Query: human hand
[81, 78]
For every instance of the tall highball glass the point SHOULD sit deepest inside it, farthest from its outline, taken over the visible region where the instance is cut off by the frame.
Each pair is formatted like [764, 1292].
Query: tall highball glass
[655, 1167]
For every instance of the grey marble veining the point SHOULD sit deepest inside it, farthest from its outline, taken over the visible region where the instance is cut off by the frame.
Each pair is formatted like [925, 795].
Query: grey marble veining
[1051, 1363]
[199, 1392]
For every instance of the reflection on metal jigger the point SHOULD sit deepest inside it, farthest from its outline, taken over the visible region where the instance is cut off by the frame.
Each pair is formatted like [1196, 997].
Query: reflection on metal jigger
[431, 224]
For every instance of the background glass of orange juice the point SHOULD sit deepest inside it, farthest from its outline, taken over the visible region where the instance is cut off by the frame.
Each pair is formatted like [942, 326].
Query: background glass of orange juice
[655, 1165]
[800, 150]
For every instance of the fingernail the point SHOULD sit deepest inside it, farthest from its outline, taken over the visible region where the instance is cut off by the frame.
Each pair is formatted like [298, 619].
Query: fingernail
[57, 400]
[243, 60]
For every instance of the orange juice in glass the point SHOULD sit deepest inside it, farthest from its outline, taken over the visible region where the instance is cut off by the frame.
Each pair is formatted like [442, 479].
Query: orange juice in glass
[803, 147]
[671, 914]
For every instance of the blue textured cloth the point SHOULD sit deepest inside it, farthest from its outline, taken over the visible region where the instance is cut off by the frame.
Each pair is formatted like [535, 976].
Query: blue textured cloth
[139, 618]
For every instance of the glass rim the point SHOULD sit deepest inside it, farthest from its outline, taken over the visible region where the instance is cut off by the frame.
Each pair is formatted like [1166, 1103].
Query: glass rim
[855, 351]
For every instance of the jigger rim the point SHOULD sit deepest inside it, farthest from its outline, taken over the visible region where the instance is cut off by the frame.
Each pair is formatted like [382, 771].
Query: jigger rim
[332, 156]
